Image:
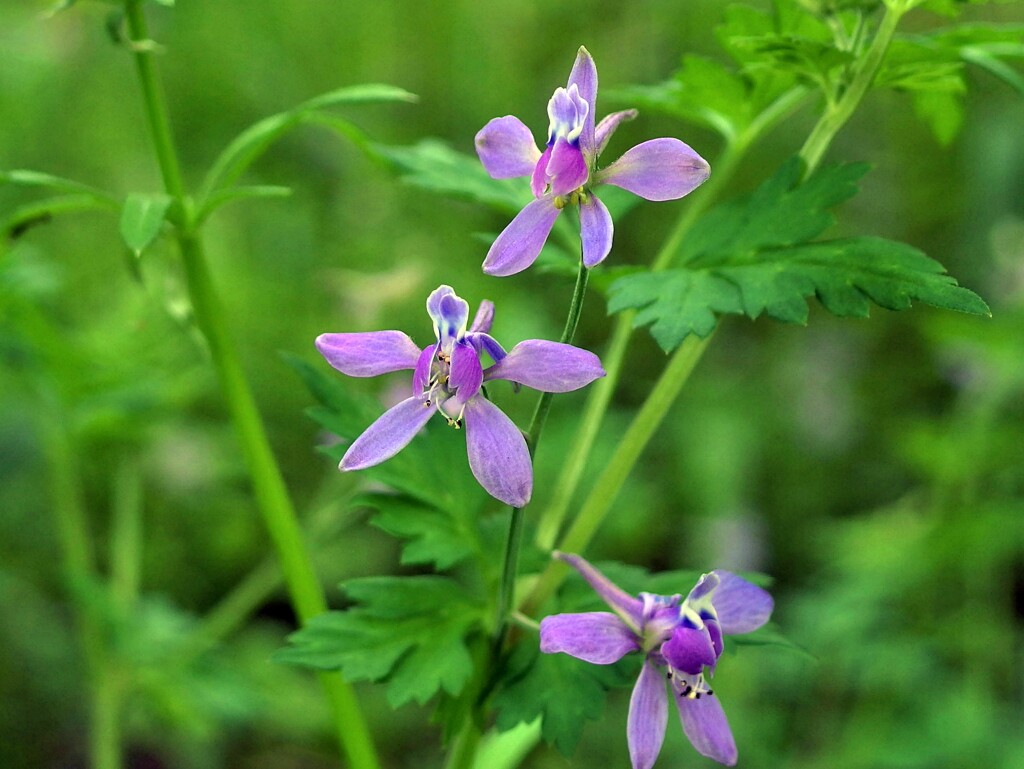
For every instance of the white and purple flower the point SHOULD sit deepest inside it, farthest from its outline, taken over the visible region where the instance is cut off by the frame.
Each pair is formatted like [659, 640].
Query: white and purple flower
[681, 639]
[566, 172]
[448, 378]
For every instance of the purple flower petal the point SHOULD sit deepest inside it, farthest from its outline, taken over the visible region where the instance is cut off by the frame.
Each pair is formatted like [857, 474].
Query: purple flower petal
[659, 169]
[484, 318]
[506, 148]
[434, 302]
[466, 374]
[539, 179]
[584, 77]
[567, 168]
[550, 367]
[422, 373]
[498, 455]
[369, 354]
[485, 343]
[598, 637]
[648, 717]
[707, 728]
[608, 125]
[388, 435]
[689, 650]
[519, 244]
[595, 230]
[626, 606]
[740, 605]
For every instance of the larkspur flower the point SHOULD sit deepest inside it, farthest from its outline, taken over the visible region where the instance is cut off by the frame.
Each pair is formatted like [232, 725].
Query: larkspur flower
[679, 638]
[447, 378]
[566, 172]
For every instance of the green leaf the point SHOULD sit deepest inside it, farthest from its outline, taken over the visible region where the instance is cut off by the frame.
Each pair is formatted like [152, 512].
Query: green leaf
[435, 167]
[943, 112]
[255, 140]
[563, 691]
[27, 178]
[434, 535]
[141, 219]
[42, 211]
[231, 194]
[754, 257]
[409, 630]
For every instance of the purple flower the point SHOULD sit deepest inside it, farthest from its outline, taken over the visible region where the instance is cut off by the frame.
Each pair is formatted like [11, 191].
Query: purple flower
[566, 172]
[679, 638]
[447, 378]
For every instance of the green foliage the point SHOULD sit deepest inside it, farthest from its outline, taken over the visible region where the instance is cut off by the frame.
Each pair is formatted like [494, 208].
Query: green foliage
[141, 219]
[754, 257]
[410, 631]
[435, 536]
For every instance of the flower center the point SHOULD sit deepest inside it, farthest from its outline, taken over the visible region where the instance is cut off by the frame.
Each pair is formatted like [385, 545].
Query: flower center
[574, 198]
[567, 114]
[691, 687]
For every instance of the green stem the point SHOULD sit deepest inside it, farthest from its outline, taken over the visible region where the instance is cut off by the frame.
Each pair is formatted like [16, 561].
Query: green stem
[268, 485]
[605, 490]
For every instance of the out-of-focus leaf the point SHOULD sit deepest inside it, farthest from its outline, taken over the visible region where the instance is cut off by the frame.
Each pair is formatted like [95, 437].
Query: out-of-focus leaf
[141, 219]
[30, 215]
[754, 257]
[942, 111]
[410, 630]
[254, 141]
[28, 178]
[231, 194]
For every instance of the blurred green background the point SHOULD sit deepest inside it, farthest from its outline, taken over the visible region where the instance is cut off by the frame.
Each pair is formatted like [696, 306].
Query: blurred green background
[875, 468]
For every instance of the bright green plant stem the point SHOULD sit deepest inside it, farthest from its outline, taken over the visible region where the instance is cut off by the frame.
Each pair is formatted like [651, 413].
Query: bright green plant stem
[268, 485]
[606, 488]
[105, 750]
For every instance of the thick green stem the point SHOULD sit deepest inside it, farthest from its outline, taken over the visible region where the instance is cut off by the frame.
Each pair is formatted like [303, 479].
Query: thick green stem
[268, 485]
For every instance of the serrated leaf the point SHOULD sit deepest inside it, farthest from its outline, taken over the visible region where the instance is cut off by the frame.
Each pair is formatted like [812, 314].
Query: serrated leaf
[810, 59]
[752, 258]
[410, 630]
[255, 140]
[141, 219]
[435, 167]
[434, 535]
[562, 691]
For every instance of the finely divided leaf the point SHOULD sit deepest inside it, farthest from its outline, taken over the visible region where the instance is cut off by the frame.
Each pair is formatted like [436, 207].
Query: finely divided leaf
[433, 535]
[409, 630]
[753, 257]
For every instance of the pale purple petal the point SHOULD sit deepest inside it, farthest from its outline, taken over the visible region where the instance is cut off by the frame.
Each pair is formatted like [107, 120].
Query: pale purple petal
[659, 169]
[506, 148]
[608, 125]
[740, 605]
[519, 244]
[484, 318]
[598, 637]
[422, 373]
[567, 168]
[466, 374]
[369, 354]
[595, 230]
[689, 650]
[707, 728]
[434, 301]
[550, 367]
[388, 435]
[498, 455]
[584, 77]
[539, 179]
[626, 606]
[648, 717]
[715, 631]
[566, 113]
[704, 588]
[485, 343]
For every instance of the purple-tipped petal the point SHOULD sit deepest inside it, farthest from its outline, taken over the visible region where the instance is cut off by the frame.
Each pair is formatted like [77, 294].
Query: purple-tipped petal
[659, 169]
[597, 637]
[519, 244]
[567, 168]
[629, 608]
[689, 650]
[648, 717]
[550, 367]
[707, 728]
[498, 455]
[388, 435]
[595, 230]
[506, 148]
[422, 374]
[584, 77]
[485, 343]
[741, 606]
[608, 125]
[434, 301]
[484, 318]
[466, 374]
[369, 354]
